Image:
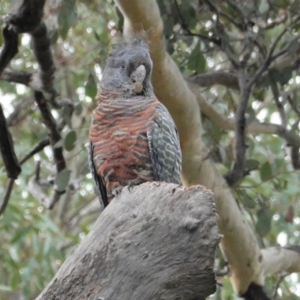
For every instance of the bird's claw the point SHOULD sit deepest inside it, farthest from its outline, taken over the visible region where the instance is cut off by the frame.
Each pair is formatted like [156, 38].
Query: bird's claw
[117, 191]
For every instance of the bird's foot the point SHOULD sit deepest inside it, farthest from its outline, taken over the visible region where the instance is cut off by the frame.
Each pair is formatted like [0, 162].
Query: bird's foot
[133, 183]
[117, 191]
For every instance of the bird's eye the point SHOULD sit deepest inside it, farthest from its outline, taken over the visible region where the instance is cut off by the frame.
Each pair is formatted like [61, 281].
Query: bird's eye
[122, 66]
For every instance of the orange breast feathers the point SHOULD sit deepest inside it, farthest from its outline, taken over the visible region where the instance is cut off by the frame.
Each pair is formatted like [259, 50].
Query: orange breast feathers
[118, 133]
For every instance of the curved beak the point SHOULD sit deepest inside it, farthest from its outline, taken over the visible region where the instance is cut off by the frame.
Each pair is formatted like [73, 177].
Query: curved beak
[137, 77]
[139, 74]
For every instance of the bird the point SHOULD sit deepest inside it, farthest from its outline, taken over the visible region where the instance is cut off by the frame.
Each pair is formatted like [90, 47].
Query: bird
[133, 138]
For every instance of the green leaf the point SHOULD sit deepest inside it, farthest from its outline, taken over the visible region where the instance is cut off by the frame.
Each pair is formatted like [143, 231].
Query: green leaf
[279, 162]
[188, 13]
[263, 6]
[248, 201]
[47, 245]
[280, 184]
[91, 87]
[252, 164]
[46, 224]
[293, 47]
[78, 109]
[62, 180]
[67, 17]
[266, 171]
[53, 35]
[197, 61]
[20, 234]
[264, 219]
[282, 76]
[70, 140]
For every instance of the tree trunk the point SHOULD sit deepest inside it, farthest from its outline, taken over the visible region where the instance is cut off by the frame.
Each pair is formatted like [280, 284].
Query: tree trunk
[154, 241]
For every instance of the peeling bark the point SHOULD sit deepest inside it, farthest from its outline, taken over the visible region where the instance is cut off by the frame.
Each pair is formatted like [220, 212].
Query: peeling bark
[154, 241]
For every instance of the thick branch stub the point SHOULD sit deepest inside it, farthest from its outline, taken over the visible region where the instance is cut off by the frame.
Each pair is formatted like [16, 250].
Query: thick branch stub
[154, 241]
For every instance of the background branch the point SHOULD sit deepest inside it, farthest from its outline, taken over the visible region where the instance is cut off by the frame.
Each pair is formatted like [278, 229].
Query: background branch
[16, 77]
[9, 157]
[7, 196]
[38, 148]
[252, 128]
[54, 133]
[10, 48]
[238, 170]
[43, 55]
[55, 140]
[208, 79]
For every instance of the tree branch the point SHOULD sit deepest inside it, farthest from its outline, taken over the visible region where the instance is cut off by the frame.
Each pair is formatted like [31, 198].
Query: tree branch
[219, 77]
[54, 133]
[280, 107]
[10, 48]
[230, 80]
[253, 128]
[35, 150]
[38, 148]
[28, 19]
[22, 108]
[27, 16]
[295, 157]
[43, 55]
[238, 170]
[185, 27]
[16, 77]
[9, 157]
[25, 19]
[156, 241]
[275, 260]
[55, 139]
[269, 58]
[281, 259]
[7, 196]
[225, 45]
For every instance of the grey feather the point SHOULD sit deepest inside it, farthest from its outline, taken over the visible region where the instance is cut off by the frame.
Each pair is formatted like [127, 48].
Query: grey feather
[164, 147]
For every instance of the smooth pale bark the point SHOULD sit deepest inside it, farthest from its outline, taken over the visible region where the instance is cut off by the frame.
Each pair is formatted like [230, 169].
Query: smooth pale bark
[279, 260]
[154, 241]
[238, 245]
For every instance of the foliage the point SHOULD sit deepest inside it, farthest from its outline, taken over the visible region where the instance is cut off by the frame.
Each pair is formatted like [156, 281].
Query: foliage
[34, 242]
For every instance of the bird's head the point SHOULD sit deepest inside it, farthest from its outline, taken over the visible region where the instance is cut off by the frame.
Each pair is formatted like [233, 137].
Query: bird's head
[128, 69]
